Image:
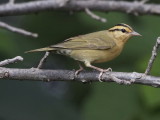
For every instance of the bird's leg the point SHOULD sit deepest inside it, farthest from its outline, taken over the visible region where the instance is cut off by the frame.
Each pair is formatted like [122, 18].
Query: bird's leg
[99, 69]
[79, 70]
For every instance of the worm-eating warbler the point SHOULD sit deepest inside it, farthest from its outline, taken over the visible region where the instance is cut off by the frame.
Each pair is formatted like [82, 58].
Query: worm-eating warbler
[96, 47]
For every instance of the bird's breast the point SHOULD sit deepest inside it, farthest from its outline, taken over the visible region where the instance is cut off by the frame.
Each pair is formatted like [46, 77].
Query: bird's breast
[107, 55]
[95, 56]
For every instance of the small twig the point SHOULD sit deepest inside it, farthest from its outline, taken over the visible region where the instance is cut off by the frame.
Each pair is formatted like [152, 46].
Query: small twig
[143, 1]
[62, 2]
[43, 60]
[94, 16]
[11, 1]
[9, 61]
[17, 30]
[153, 56]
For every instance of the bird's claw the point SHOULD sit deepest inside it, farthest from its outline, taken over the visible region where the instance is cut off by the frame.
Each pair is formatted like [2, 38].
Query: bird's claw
[78, 71]
[119, 81]
[103, 71]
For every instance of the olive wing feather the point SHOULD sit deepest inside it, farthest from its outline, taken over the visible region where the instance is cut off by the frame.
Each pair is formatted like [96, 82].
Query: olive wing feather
[98, 41]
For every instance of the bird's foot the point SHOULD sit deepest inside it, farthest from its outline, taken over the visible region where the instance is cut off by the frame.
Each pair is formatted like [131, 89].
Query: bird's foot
[119, 81]
[78, 71]
[103, 71]
[34, 69]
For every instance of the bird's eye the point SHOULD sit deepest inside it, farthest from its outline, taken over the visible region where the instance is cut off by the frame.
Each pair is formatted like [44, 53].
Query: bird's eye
[123, 30]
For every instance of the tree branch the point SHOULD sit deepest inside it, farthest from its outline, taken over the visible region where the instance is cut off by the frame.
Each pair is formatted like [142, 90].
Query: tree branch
[69, 75]
[79, 5]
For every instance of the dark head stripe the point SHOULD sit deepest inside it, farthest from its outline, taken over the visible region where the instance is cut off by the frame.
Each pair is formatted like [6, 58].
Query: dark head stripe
[112, 30]
[124, 25]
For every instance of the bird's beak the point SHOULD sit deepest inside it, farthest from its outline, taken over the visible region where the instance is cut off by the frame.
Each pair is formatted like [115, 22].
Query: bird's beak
[135, 34]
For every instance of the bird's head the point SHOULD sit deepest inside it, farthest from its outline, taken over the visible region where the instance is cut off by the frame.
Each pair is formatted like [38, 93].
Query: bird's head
[122, 32]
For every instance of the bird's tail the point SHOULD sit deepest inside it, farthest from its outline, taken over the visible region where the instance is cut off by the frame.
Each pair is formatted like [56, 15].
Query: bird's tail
[41, 49]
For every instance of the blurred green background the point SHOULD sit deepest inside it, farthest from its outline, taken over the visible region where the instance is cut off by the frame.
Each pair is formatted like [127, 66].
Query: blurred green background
[24, 100]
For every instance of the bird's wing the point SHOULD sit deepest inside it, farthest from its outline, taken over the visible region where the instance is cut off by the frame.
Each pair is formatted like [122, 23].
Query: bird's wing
[95, 41]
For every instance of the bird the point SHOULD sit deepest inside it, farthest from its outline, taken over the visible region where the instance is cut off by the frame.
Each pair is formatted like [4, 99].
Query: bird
[97, 47]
